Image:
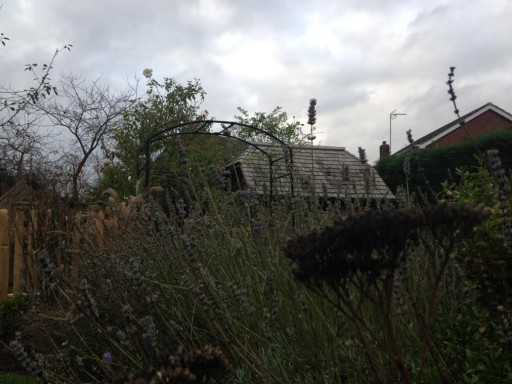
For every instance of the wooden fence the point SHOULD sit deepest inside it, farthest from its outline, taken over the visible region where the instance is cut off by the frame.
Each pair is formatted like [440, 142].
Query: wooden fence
[17, 259]
[20, 228]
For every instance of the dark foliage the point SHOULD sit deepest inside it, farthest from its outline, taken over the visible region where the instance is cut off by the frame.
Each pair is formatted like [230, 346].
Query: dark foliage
[373, 242]
[196, 366]
[7, 179]
[11, 311]
[438, 164]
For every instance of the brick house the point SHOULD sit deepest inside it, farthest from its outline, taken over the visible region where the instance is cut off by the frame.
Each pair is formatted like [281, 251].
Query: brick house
[485, 119]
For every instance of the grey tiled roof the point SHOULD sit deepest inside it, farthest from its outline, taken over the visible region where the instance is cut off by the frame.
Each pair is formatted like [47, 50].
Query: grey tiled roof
[330, 171]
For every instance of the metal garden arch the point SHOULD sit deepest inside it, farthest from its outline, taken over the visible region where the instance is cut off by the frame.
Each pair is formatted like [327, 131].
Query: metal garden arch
[205, 127]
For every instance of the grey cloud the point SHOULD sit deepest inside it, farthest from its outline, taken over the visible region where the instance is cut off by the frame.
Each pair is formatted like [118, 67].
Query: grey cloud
[398, 57]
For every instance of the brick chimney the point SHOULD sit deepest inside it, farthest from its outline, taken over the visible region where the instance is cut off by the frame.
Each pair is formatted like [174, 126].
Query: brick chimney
[384, 150]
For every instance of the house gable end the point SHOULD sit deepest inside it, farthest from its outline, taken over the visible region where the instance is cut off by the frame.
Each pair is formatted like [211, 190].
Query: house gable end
[487, 118]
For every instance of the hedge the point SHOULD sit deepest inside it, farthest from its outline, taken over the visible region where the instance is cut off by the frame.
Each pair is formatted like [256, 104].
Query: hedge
[435, 165]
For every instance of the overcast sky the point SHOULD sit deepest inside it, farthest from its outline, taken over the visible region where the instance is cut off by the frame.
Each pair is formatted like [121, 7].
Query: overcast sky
[361, 59]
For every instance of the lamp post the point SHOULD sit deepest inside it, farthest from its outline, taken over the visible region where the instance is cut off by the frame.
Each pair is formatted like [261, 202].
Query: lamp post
[393, 115]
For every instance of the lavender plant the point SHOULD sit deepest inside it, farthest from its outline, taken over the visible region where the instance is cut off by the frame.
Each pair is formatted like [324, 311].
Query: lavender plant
[192, 269]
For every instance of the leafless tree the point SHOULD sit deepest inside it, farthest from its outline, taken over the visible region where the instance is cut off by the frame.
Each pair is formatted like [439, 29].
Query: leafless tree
[15, 101]
[22, 143]
[87, 110]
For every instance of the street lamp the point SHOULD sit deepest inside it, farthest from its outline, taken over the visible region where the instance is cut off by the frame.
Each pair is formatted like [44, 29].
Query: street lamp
[393, 115]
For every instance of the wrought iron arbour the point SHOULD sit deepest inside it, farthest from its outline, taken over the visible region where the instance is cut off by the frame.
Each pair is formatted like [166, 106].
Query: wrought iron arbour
[205, 127]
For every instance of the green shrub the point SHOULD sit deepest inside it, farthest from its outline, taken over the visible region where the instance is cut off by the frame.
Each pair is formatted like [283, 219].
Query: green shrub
[437, 165]
[11, 310]
[477, 340]
[15, 378]
[472, 342]
[486, 257]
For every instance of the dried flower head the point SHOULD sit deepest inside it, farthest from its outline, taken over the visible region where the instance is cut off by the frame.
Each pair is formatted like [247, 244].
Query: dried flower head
[409, 136]
[86, 301]
[451, 91]
[373, 242]
[407, 167]
[147, 72]
[33, 363]
[337, 253]
[362, 155]
[107, 357]
[312, 112]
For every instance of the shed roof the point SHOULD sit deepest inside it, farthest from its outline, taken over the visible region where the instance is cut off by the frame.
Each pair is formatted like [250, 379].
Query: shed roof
[24, 193]
[20, 193]
[331, 172]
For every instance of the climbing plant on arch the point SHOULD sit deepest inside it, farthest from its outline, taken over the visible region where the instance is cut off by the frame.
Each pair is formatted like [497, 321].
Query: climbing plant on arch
[226, 129]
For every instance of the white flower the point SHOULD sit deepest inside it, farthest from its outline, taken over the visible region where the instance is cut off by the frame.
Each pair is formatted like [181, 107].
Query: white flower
[147, 73]
[129, 178]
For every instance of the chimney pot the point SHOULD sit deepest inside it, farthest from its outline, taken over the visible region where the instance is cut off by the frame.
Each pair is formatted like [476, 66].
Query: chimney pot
[384, 150]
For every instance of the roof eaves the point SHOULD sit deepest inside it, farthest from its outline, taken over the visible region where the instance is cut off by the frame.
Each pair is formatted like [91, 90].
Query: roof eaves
[435, 135]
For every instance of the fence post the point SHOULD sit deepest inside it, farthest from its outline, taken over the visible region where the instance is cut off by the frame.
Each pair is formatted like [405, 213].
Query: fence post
[18, 270]
[4, 253]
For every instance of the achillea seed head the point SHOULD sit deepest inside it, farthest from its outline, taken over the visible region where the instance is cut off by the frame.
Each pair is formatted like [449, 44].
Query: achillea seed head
[372, 242]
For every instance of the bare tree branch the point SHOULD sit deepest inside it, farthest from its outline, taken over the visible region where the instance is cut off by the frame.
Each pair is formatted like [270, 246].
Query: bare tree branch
[13, 102]
[88, 111]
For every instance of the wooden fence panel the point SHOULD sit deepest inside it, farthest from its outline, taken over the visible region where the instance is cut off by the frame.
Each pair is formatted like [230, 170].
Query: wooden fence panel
[24, 259]
[19, 225]
[4, 253]
[17, 270]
